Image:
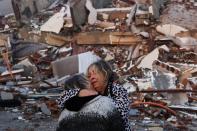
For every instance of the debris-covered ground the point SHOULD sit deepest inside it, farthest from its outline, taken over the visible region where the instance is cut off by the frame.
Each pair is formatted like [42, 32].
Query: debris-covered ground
[151, 44]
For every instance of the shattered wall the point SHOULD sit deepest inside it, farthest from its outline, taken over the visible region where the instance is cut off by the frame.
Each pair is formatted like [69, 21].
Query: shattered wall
[25, 9]
[5, 7]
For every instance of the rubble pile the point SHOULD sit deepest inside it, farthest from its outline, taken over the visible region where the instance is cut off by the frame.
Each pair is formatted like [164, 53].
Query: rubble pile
[152, 46]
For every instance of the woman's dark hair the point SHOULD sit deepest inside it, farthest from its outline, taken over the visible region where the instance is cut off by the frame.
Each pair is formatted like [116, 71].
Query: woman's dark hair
[79, 81]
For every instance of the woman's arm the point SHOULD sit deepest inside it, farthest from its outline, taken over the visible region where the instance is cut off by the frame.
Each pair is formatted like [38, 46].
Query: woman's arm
[67, 94]
[121, 99]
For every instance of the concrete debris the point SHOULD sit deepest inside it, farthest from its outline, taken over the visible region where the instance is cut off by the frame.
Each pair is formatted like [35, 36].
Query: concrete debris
[74, 64]
[157, 6]
[144, 34]
[148, 60]
[178, 98]
[185, 42]
[6, 96]
[25, 9]
[45, 109]
[170, 29]
[56, 22]
[142, 16]
[163, 80]
[151, 45]
[131, 15]
[26, 49]
[92, 17]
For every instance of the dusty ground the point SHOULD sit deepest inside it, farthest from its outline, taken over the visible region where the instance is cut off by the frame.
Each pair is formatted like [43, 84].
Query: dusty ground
[9, 121]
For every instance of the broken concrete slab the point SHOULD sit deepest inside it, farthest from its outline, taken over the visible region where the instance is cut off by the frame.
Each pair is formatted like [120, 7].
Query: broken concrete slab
[144, 84]
[6, 96]
[25, 9]
[73, 64]
[170, 29]
[191, 33]
[70, 67]
[85, 59]
[5, 7]
[56, 22]
[177, 98]
[45, 109]
[185, 42]
[24, 49]
[148, 60]
[166, 68]
[144, 34]
[157, 5]
[92, 17]
[78, 7]
[161, 80]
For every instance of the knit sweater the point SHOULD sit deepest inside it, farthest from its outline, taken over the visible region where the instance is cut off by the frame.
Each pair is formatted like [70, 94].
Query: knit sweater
[114, 91]
[99, 114]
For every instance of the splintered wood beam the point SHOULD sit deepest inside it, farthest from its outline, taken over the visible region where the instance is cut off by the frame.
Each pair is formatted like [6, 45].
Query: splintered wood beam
[104, 10]
[56, 40]
[114, 13]
[107, 38]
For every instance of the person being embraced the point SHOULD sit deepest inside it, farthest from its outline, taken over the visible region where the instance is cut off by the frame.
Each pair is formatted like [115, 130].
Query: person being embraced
[102, 79]
[87, 110]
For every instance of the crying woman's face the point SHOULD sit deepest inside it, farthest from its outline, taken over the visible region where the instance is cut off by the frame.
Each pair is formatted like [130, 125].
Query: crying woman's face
[97, 79]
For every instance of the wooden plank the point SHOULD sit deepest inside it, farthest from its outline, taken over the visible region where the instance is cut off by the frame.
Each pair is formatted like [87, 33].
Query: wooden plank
[3, 40]
[118, 14]
[93, 38]
[123, 38]
[105, 10]
[56, 40]
[109, 38]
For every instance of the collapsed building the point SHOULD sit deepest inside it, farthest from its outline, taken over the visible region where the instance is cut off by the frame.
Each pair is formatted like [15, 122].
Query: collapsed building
[152, 46]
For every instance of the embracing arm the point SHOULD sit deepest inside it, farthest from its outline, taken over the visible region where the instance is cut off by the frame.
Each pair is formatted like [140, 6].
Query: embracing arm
[67, 94]
[121, 99]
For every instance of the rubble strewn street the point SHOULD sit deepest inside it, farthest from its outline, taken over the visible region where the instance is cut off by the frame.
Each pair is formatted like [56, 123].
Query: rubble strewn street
[151, 44]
